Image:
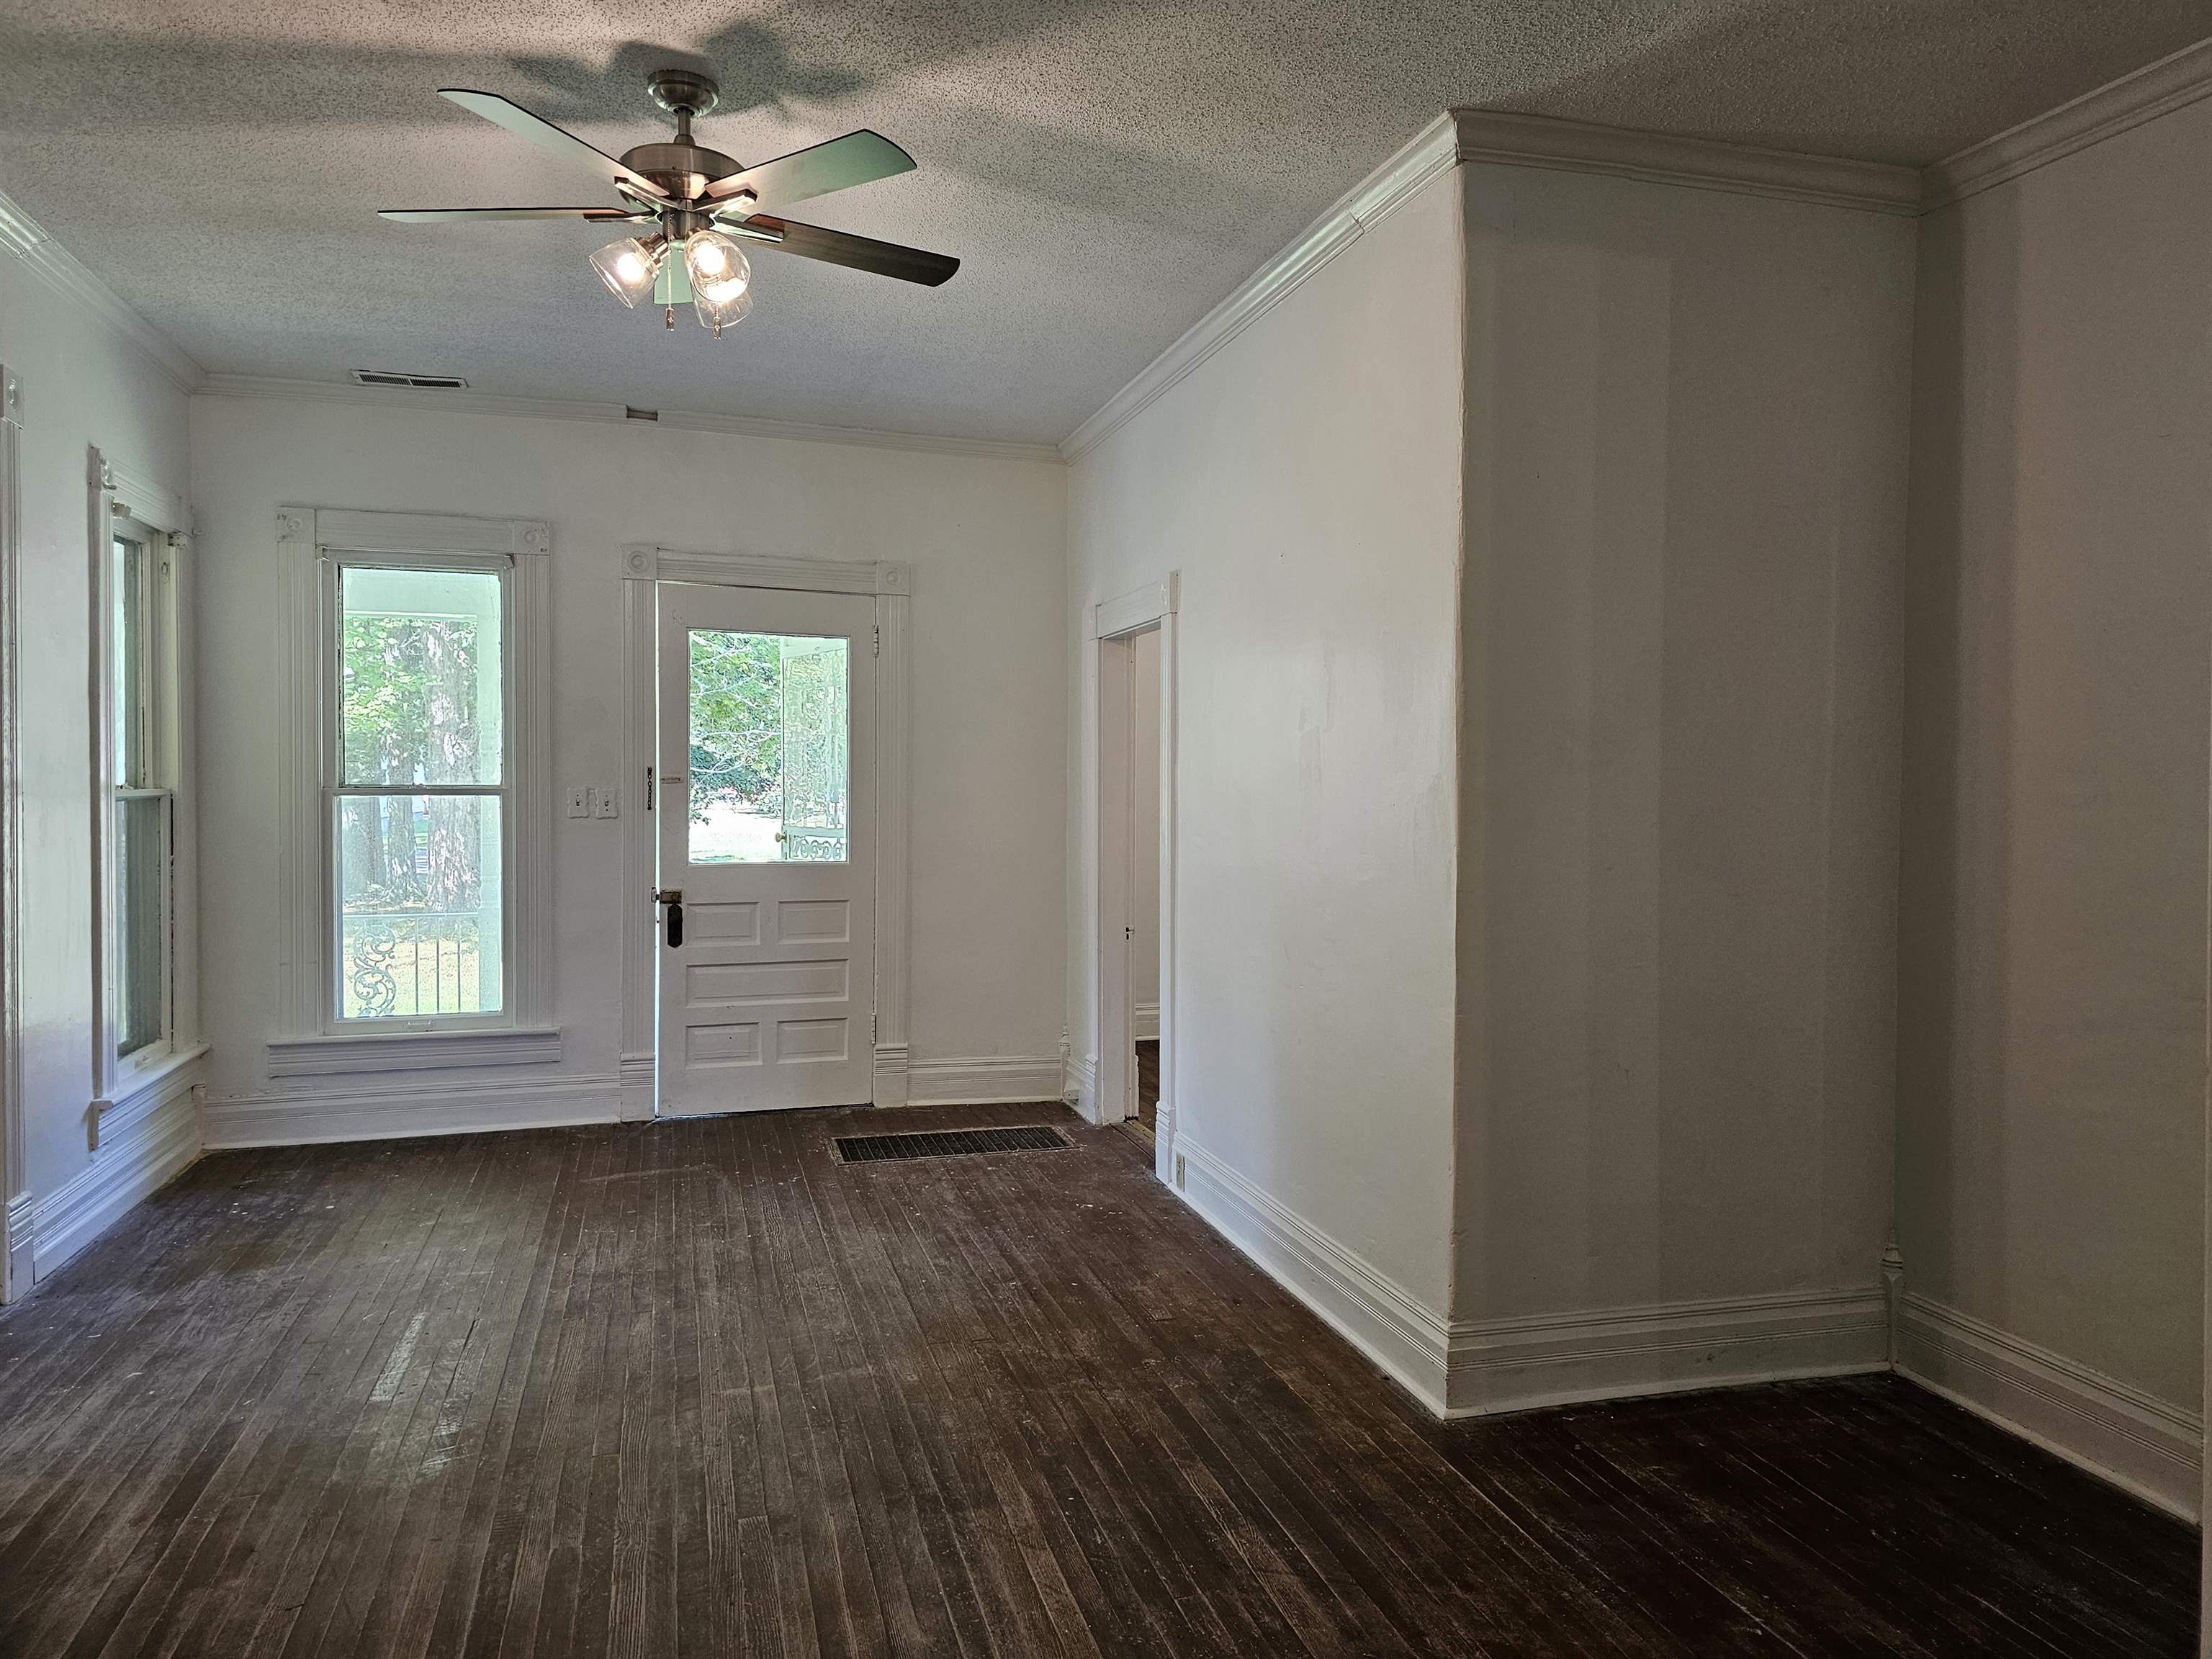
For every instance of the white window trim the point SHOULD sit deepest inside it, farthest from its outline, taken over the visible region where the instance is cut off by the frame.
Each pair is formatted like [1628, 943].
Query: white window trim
[16, 1218]
[115, 493]
[311, 541]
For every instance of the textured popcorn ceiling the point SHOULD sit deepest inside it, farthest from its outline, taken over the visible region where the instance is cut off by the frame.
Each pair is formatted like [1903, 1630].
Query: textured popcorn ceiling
[1106, 172]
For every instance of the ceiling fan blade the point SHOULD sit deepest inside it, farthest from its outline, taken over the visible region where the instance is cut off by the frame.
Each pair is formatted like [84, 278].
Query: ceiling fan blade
[501, 113]
[435, 216]
[836, 164]
[841, 247]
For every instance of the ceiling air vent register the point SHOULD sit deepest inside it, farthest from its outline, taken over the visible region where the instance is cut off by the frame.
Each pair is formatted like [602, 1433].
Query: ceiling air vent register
[389, 377]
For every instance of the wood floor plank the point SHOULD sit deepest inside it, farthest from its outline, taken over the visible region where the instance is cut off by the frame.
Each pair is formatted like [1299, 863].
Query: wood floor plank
[700, 1388]
[309, 1423]
[181, 1459]
[477, 1541]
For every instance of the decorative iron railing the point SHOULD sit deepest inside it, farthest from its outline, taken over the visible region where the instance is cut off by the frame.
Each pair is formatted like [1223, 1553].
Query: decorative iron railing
[813, 844]
[414, 964]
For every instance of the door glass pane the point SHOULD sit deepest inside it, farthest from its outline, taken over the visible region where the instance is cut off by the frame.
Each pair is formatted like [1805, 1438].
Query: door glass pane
[420, 676]
[419, 906]
[769, 729]
[141, 933]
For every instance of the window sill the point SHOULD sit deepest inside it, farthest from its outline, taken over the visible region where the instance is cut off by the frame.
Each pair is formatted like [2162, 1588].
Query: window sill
[411, 1051]
[151, 1080]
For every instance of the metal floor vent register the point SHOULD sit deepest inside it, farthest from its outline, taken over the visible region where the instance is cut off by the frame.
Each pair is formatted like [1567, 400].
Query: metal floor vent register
[951, 1142]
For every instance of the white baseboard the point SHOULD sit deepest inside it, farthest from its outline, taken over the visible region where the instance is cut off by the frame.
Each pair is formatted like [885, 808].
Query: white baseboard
[1468, 1368]
[399, 1113]
[894, 1074]
[1079, 1088]
[1145, 1023]
[1378, 1318]
[19, 1232]
[141, 1150]
[636, 1081]
[2144, 1445]
[983, 1080]
[1557, 1359]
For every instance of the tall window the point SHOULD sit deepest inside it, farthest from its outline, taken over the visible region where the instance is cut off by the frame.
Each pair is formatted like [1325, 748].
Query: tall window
[142, 698]
[419, 810]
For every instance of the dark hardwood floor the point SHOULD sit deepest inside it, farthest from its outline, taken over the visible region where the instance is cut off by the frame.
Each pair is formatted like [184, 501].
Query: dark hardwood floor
[1148, 1082]
[699, 1389]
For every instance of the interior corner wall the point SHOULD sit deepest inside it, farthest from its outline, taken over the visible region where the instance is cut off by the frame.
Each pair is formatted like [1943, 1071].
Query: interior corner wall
[1303, 480]
[2051, 1043]
[84, 386]
[1686, 483]
[984, 537]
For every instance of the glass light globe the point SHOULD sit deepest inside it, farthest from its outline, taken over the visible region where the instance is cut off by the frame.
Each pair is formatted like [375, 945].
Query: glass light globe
[721, 280]
[713, 260]
[716, 314]
[627, 268]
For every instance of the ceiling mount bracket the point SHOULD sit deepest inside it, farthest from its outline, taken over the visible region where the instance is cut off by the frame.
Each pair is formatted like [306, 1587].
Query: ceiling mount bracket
[684, 93]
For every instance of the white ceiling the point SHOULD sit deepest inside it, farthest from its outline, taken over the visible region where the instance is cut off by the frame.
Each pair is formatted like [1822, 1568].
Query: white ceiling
[1106, 172]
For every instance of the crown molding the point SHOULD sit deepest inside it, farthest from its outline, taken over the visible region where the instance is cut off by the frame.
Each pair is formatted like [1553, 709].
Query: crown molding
[2173, 82]
[1491, 136]
[68, 276]
[1541, 141]
[1432, 150]
[568, 409]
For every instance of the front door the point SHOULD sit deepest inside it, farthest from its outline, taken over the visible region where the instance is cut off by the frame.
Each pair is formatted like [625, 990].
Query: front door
[767, 830]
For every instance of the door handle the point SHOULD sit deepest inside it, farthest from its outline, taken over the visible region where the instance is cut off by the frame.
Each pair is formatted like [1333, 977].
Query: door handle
[671, 900]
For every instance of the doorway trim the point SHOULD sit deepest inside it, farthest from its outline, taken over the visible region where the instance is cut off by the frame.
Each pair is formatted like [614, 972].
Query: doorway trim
[16, 1218]
[1110, 624]
[645, 567]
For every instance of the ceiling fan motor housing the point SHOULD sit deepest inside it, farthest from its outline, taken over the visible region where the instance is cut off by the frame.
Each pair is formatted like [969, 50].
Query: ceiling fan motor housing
[683, 170]
[682, 167]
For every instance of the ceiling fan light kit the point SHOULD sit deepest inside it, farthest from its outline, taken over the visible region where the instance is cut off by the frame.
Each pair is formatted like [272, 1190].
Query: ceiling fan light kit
[629, 266]
[702, 202]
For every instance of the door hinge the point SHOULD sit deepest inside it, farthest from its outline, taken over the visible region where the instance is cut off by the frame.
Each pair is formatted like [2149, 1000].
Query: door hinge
[875, 1027]
[648, 789]
[879, 639]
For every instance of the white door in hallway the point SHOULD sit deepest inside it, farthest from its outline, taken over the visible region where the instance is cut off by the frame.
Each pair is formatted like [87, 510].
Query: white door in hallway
[766, 717]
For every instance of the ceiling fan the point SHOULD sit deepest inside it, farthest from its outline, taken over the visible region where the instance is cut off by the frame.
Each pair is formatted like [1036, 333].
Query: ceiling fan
[703, 205]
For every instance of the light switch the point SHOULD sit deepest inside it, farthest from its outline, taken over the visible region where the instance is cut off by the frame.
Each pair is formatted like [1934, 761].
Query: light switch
[580, 803]
[609, 806]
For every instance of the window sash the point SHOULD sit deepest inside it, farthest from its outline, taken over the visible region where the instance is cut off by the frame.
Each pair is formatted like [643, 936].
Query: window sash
[141, 765]
[153, 1043]
[333, 788]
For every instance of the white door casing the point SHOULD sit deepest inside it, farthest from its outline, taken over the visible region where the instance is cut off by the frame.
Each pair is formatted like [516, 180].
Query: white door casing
[1109, 626]
[16, 1216]
[768, 1002]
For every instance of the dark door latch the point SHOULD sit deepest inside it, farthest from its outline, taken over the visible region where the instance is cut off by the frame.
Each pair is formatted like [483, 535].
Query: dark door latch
[672, 915]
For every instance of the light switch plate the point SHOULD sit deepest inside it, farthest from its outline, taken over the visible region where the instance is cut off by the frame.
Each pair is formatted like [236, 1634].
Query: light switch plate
[609, 806]
[580, 803]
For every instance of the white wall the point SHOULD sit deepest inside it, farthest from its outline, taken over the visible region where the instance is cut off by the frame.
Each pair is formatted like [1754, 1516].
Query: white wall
[1304, 481]
[84, 384]
[1687, 470]
[1144, 815]
[986, 538]
[2052, 974]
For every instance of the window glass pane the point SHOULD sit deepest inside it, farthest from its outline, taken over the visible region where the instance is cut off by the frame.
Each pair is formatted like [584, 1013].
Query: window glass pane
[130, 687]
[418, 906]
[770, 727]
[142, 932]
[420, 676]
